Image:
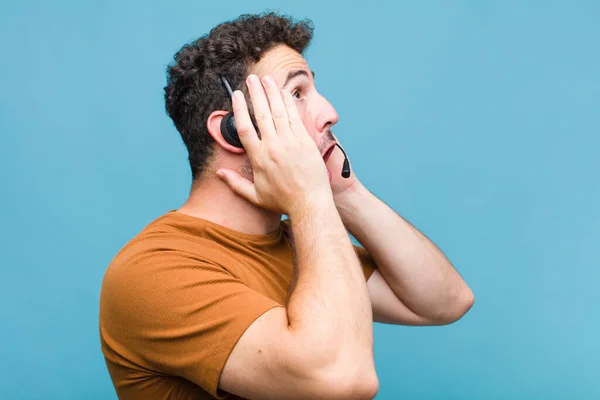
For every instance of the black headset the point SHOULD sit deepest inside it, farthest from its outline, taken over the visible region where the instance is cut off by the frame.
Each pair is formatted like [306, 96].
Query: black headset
[230, 134]
[228, 129]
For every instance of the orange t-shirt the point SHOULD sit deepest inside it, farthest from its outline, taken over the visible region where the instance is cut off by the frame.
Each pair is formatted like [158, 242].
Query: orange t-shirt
[176, 299]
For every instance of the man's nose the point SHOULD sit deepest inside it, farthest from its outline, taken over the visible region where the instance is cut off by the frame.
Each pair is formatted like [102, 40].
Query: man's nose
[327, 116]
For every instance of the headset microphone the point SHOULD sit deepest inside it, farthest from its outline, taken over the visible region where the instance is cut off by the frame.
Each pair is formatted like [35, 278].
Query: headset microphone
[346, 166]
[230, 134]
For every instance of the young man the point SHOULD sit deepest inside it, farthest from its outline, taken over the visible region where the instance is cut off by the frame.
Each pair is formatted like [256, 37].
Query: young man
[221, 298]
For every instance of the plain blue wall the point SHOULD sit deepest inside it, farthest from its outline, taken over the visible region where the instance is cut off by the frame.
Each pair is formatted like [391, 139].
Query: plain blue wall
[490, 146]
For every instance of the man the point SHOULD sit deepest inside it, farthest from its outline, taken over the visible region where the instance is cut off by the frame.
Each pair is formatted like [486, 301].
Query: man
[223, 299]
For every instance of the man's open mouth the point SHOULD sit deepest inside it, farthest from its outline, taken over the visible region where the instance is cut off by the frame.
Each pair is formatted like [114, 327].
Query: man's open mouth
[328, 152]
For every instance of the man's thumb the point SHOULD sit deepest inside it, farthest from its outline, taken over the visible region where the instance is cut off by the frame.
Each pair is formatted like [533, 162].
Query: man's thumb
[239, 185]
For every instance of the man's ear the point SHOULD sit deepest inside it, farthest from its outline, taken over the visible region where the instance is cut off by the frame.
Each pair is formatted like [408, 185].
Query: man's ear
[213, 124]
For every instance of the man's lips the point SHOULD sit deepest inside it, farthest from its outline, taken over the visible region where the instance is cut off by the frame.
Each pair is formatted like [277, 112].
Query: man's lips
[328, 152]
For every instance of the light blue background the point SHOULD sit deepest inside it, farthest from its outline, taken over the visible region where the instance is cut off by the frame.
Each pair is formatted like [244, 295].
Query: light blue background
[478, 121]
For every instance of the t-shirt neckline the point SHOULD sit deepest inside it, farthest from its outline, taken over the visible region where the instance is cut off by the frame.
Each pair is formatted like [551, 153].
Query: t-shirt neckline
[193, 220]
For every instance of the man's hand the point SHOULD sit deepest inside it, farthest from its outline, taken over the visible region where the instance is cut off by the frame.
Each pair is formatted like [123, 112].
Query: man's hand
[288, 169]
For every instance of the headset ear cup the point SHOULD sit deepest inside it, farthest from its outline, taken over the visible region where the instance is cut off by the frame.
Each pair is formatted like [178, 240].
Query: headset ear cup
[229, 132]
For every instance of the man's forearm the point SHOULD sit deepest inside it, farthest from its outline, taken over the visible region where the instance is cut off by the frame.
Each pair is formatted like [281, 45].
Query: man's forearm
[416, 270]
[330, 302]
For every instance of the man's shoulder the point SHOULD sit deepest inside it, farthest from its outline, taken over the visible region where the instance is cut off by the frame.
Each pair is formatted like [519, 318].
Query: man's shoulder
[166, 242]
[174, 242]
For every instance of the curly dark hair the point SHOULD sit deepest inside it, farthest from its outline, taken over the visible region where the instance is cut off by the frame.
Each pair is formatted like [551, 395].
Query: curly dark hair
[194, 89]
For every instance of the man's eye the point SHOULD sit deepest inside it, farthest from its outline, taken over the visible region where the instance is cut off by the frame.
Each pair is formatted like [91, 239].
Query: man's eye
[296, 94]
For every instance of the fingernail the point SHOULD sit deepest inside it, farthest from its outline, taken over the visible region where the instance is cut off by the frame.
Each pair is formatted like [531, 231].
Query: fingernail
[237, 96]
[252, 79]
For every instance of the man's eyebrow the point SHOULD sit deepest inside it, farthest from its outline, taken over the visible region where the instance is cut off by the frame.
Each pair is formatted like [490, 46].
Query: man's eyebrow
[292, 74]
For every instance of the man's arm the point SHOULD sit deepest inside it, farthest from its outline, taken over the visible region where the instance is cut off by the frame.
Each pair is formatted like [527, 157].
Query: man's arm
[414, 283]
[321, 346]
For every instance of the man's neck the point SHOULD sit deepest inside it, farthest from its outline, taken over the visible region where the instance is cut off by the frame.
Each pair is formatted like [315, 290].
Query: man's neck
[214, 201]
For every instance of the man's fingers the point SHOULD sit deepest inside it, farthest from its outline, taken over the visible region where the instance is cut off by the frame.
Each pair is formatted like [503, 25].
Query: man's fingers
[243, 123]
[294, 118]
[241, 186]
[262, 113]
[278, 111]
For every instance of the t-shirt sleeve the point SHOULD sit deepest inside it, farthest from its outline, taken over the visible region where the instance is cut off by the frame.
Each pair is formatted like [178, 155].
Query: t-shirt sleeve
[181, 317]
[366, 261]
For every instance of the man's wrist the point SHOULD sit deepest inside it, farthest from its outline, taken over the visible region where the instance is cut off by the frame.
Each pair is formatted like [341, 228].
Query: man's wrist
[351, 198]
[312, 204]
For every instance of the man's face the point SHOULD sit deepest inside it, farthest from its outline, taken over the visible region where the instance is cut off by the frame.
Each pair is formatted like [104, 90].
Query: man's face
[290, 70]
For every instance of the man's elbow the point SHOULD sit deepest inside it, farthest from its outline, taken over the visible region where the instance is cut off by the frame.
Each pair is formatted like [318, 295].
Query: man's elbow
[462, 304]
[456, 308]
[349, 381]
[363, 386]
